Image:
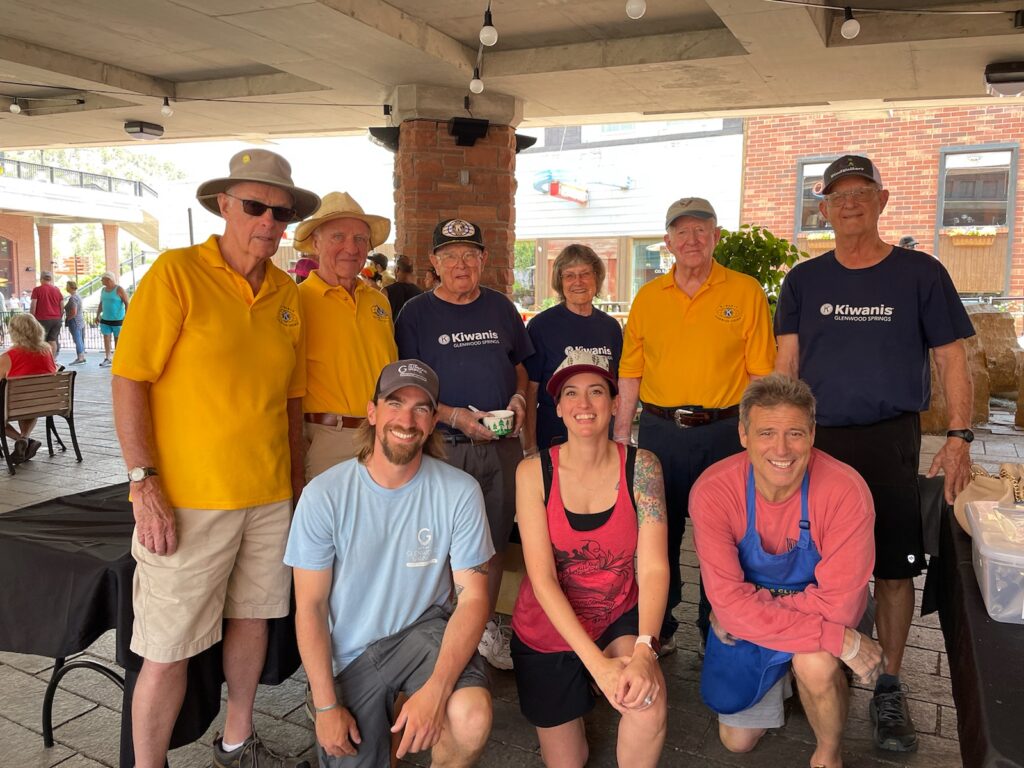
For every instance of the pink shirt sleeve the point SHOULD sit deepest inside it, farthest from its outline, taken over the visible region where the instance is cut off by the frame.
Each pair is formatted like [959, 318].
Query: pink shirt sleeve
[842, 528]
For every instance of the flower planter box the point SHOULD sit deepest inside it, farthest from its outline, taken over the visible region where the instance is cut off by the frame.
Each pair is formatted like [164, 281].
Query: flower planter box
[972, 241]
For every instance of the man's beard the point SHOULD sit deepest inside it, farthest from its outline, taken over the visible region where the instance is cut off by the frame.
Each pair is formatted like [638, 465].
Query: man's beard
[400, 455]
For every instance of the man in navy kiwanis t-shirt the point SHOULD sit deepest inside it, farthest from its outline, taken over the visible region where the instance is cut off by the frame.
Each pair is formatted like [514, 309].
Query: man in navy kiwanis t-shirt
[857, 324]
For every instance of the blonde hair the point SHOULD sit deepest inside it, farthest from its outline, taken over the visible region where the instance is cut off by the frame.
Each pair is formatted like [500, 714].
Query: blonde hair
[27, 333]
[366, 436]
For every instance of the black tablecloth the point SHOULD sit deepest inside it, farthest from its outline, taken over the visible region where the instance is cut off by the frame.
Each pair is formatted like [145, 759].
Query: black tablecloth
[986, 658]
[66, 578]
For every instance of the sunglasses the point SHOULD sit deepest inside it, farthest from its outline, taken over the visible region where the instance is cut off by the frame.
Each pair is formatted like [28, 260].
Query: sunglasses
[256, 209]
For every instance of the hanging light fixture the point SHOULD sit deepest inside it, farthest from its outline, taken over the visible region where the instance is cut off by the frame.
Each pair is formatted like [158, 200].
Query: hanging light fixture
[166, 110]
[488, 32]
[15, 107]
[851, 27]
[476, 85]
[635, 9]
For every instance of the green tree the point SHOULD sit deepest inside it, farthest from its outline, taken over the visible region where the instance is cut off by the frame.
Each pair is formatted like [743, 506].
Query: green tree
[755, 251]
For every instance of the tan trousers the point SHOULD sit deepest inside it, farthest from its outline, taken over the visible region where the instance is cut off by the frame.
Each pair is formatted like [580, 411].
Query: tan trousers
[327, 446]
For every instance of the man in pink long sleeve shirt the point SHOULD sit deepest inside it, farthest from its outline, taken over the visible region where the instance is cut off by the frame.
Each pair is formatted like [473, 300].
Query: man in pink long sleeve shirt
[784, 587]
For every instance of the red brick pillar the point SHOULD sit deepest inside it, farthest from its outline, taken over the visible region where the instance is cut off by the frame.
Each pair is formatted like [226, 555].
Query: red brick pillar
[111, 254]
[436, 180]
[45, 232]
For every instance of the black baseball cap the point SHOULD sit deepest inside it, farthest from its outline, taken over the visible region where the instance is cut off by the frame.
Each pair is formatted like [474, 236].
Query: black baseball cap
[849, 165]
[408, 373]
[457, 231]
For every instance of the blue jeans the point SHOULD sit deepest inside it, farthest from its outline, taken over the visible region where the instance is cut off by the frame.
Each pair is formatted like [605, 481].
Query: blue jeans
[78, 334]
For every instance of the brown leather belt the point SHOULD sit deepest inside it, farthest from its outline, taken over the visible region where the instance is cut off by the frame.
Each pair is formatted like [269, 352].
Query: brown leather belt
[686, 416]
[333, 420]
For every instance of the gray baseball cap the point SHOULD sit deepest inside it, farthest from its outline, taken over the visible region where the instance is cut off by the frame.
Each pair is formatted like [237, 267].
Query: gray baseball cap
[849, 165]
[697, 207]
[408, 373]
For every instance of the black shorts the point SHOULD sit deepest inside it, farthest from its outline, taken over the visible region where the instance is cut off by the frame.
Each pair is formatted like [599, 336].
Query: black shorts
[886, 455]
[52, 328]
[555, 688]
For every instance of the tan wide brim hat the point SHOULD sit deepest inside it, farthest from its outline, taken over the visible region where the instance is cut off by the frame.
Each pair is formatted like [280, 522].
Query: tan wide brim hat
[340, 205]
[262, 167]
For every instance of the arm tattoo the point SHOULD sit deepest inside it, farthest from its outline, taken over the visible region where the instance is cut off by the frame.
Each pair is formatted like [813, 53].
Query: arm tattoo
[458, 590]
[649, 489]
[483, 568]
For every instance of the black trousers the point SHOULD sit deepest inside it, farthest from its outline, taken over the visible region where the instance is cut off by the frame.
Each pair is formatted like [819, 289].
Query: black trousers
[684, 455]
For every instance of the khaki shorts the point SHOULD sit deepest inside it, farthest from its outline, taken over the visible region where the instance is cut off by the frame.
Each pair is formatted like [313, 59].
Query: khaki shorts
[228, 565]
[327, 446]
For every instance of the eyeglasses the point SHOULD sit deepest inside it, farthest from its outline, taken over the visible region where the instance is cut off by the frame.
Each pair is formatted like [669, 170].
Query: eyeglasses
[466, 257]
[858, 195]
[256, 209]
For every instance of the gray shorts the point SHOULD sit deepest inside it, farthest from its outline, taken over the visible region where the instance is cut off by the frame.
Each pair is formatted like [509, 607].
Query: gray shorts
[493, 465]
[401, 663]
[768, 712]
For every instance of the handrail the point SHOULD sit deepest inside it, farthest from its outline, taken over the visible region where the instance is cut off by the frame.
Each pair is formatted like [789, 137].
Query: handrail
[19, 169]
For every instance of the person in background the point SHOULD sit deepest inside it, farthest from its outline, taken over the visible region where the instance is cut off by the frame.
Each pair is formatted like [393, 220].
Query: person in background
[110, 314]
[349, 336]
[910, 242]
[381, 276]
[694, 339]
[476, 341]
[573, 324]
[28, 355]
[302, 269]
[47, 306]
[871, 380]
[404, 287]
[430, 279]
[586, 619]
[74, 319]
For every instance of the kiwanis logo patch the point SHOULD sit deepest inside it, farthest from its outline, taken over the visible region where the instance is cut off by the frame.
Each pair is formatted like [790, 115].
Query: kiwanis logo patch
[728, 313]
[287, 316]
[379, 313]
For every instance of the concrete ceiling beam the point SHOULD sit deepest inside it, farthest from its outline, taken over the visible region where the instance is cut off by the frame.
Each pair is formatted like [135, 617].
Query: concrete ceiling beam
[80, 69]
[276, 84]
[611, 54]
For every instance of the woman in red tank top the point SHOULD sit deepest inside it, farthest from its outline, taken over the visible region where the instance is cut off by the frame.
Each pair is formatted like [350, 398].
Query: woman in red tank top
[585, 614]
[29, 354]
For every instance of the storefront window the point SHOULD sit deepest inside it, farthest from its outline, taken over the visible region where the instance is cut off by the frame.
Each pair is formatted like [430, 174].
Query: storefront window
[651, 259]
[6, 268]
[975, 189]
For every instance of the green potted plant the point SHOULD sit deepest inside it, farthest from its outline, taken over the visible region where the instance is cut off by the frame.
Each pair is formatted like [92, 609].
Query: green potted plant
[755, 251]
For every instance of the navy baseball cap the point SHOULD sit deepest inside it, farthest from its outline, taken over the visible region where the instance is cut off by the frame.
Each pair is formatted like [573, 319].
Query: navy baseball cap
[849, 165]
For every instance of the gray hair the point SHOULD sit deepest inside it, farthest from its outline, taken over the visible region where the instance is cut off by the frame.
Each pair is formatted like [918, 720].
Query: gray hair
[576, 254]
[777, 389]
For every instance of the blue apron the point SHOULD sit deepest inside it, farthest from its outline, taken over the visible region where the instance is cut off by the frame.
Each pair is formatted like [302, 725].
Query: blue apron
[736, 677]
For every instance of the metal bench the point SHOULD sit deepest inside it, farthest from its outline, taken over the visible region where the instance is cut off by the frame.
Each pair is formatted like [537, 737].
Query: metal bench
[43, 396]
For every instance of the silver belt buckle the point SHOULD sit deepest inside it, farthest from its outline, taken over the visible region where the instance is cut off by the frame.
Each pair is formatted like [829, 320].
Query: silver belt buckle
[677, 417]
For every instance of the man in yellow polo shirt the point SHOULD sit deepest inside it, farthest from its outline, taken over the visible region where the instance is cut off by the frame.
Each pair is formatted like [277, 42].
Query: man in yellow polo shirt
[208, 385]
[694, 339]
[349, 334]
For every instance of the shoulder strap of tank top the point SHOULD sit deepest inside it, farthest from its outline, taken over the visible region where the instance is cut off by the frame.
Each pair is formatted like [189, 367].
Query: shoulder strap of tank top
[630, 471]
[546, 471]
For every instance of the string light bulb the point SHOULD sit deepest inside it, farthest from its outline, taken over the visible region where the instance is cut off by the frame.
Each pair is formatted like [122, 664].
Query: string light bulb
[851, 27]
[635, 9]
[488, 32]
[166, 110]
[476, 85]
[15, 107]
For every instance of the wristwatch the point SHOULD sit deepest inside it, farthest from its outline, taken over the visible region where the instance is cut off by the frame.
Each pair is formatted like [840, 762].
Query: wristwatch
[964, 434]
[138, 474]
[650, 641]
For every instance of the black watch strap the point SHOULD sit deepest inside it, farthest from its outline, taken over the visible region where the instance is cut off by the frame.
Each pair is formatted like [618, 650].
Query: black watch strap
[964, 434]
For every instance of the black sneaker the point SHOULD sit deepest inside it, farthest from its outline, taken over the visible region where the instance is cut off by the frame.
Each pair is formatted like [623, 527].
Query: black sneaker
[894, 730]
[252, 754]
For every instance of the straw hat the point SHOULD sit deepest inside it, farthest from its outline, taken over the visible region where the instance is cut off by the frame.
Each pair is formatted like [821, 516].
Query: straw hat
[262, 167]
[340, 205]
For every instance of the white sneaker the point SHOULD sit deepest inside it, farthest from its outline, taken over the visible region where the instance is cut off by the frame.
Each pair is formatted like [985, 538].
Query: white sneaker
[494, 646]
[105, 363]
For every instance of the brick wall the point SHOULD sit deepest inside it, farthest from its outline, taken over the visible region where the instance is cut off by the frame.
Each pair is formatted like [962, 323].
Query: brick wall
[428, 189]
[907, 149]
[20, 230]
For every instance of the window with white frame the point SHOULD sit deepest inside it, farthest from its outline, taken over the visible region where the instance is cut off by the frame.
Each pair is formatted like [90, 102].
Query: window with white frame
[809, 218]
[975, 188]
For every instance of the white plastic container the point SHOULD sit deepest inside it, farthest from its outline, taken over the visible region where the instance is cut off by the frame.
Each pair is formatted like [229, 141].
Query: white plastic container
[998, 554]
